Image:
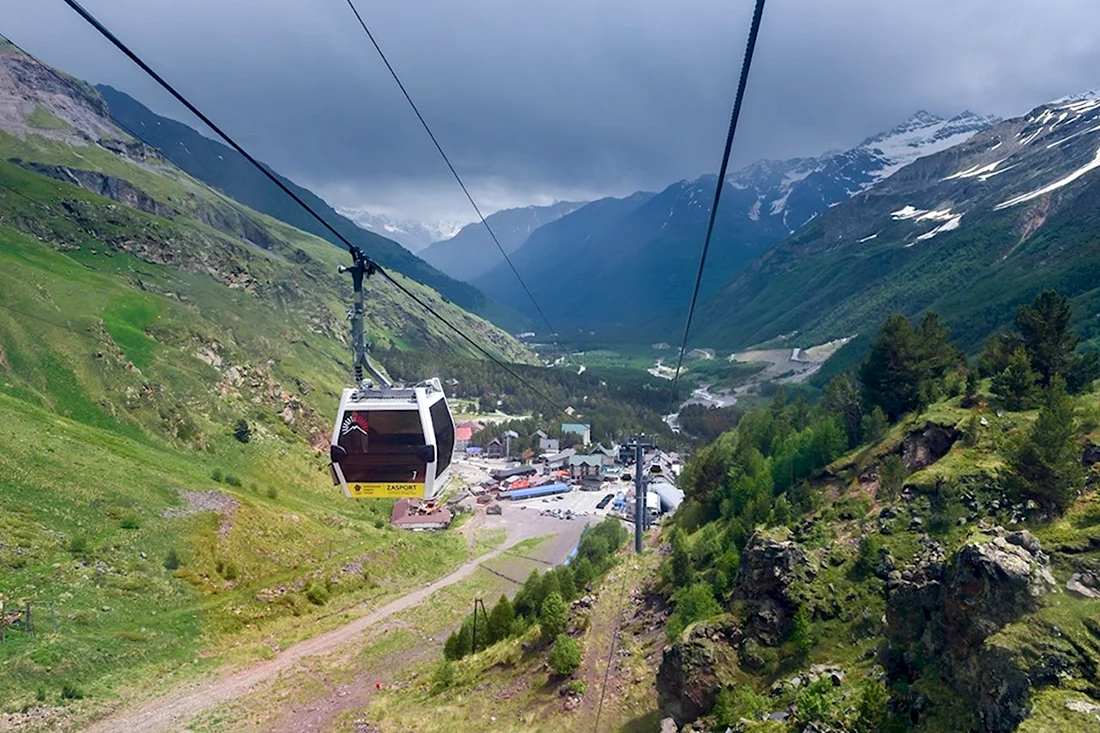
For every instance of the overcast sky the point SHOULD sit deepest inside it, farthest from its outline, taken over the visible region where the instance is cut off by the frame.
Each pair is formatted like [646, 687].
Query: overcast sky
[537, 100]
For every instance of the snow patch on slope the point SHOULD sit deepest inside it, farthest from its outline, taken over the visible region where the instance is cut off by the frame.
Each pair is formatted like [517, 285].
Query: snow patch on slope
[1091, 165]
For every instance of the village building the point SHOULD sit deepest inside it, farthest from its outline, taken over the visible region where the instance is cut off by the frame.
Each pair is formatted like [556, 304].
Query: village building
[585, 467]
[584, 432]
[414, 514]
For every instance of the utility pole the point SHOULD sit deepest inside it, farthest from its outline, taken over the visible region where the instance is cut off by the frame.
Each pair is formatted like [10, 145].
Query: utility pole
[639, 495]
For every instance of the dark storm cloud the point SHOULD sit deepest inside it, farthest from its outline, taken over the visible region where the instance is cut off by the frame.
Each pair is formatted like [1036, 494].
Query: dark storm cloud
[536, 99]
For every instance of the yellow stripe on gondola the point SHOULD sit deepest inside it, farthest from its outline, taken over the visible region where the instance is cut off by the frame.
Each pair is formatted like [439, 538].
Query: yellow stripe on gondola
[386, 491]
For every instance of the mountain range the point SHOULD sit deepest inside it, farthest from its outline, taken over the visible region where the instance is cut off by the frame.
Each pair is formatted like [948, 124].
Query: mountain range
[636, 260]
[471, 252]
[413, 235]
[970, 231]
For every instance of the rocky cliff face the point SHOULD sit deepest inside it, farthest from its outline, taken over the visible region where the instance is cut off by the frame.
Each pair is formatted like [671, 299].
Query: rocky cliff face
[949, 614]
[771, 571]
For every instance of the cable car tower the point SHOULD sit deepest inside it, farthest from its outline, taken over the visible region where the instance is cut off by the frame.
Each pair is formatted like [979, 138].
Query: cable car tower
[389, 441]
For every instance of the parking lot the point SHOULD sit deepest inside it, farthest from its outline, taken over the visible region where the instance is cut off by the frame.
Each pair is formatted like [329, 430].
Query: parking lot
[579, 503]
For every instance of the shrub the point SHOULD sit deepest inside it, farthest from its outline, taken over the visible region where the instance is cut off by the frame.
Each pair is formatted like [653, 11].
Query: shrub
[443, 676]
[232, 480]
[230, 572]
[272, 493]
[78, 545]
[242, 431]
[70, 691]
[130, 521]
[869, 555]
[379, 523]
[565, 655]
[891, 476]
[801, 633]
[40, 694]
[816, 702]
[172, 560]
[692, 604]
[553, 616]
[577, 687]
[317, 594]
[216, 474]
[871, 710]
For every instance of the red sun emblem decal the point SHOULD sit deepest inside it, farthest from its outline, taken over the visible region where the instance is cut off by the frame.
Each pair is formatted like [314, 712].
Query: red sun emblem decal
[355, 421]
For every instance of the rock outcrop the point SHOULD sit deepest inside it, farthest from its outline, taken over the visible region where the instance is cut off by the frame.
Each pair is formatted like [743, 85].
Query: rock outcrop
[921, 448]
[771, 571]
[953, 611]
[695, 667]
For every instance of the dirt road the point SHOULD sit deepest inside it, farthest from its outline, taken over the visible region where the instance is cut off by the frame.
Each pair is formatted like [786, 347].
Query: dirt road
[176, 709]
[173, 711]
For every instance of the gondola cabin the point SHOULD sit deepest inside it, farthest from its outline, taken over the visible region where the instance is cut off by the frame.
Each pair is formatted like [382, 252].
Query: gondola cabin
[393, 442]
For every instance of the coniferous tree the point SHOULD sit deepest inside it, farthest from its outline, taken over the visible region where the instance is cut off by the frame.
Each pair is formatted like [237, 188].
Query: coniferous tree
[874, 425]
[842, 399]
[553, 616]
[1046, 463]
[500, 620]
[1016, 384]
[998, 348]
[1044, 331]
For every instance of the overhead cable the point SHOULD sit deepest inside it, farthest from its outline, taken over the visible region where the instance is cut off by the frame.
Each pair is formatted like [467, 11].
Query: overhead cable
[447, 160]
[750, 48]
[121, 46]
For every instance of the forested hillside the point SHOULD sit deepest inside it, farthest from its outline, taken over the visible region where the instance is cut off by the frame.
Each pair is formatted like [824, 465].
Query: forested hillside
[915, 552]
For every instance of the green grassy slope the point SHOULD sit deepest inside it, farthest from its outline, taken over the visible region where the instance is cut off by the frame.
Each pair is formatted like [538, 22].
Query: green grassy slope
[131, 345]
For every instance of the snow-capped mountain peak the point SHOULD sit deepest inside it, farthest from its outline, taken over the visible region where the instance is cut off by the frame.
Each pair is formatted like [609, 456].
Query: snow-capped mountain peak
[412, 235]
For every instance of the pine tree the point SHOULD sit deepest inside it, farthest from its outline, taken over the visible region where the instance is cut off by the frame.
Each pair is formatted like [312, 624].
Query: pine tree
[891, 376]
[1046, 464]
[1044, 329]
[874, 425]
[566, 585]
[553, 616]
[1084, 370]
[891, 476]
[500, 620]
[1016, 384]
[998, 348]
[842, 399]
[680, 563]
[583, 572]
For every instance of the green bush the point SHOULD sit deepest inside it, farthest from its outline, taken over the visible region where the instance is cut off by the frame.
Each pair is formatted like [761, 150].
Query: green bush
[232, 480]
[577, 687]
[816, 702]
[130, 521]
[692, 604]
[40, 694]
[565, 655]
[71, 692]
[272, 493]
[553, 616]
[443, 677]
[871, 710]
[242, 431]
[379, 523]
[172, 560]
[317, 594]
[216, 474]
[801, 633]
[78, 545]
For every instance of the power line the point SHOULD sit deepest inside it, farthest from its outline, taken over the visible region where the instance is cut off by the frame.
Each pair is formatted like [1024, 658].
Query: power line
[750, 48]
[121, 46]
[447, 160]
[611, 653]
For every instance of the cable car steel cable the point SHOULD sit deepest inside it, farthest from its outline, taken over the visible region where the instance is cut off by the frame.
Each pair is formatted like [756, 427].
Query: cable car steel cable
[447, 160]
[750, 49]
[413, 433]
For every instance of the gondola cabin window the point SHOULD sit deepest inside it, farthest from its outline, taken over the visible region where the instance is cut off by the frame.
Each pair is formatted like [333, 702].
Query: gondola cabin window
[382, 446]
[444, 436]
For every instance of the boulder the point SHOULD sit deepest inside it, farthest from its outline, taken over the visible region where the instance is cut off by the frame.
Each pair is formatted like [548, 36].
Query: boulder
[1084, 584]
[1091, 455]
[668, 725]
[769, 570]
[992, 583]
[695, 667]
